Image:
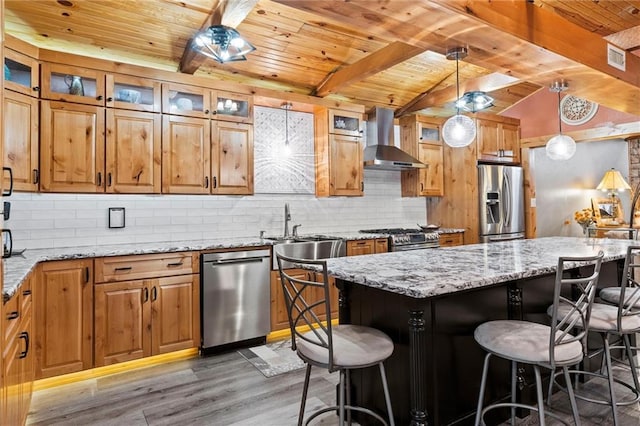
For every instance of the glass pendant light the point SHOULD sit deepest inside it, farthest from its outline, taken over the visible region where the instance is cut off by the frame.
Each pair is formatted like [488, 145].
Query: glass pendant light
[560, 147]
[222, 43]
[458, 131]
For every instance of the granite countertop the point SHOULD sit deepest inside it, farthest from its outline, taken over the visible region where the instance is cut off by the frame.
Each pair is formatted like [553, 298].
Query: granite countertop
[18, 267]
[426, 273]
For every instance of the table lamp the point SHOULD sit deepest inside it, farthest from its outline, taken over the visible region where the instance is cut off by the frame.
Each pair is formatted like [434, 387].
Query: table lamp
[611, 182]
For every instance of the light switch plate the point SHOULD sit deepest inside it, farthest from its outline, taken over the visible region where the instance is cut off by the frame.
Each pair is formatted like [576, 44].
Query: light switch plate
[116, 217]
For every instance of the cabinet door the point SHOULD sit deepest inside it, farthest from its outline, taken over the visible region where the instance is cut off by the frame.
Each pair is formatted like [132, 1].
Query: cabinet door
[63, 299]
[180, 99]
[133, 152]
[73, 84]
[279, 316]
[21, 140]
[431, 178]
[359, 247]
[345, 123]
[72, 148]
[232, 158]
[12, 405]
[175, 319]
[381, 245]
[27, 361]
[346, 176]
[487, 137]
[232, 106]
[122, 322]
[136, 93]
[510, 135]
[23, 76]
[186, 149]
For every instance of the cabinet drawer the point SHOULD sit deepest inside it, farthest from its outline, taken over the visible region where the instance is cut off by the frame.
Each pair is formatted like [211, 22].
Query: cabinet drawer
[448, 240]
[125, 268]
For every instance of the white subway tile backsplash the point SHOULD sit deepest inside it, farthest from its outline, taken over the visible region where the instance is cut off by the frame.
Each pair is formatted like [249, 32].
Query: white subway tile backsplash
[59, 220]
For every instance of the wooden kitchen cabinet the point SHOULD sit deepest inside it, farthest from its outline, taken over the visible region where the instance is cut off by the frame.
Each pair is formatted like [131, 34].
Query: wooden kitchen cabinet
[279, 317]
[498, 139]
[421, 138]
[133, 152]
[338, 153]
[145, 305]
[71, 148]
[452, 239]
[370, 246]
[24, 73]
[231, 158]
[63, 297]
[133, 93]
[230, 106]
[185, 100]
[186, 150]
[73, 84]
[17, 354]
[21, 117]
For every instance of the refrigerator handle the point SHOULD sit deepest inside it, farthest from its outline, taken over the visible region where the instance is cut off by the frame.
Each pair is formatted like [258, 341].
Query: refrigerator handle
[506, 195]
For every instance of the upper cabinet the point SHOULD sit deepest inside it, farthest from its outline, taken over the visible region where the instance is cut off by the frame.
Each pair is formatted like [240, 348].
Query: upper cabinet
[421, 137]
[21, 73]
[135, 93]
[21, 140]
[498, 139]
[232, 106]
[231, 158]
[73, 84]
[338, 151]
[193, 101]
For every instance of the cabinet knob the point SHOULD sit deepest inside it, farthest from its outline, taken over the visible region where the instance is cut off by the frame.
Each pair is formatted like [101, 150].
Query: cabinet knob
[99, 97]
[13, 315]
[35, 88]
[206, 111]
[109, 99]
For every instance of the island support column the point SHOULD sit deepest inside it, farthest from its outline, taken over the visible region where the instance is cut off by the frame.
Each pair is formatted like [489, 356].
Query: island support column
[417, 364]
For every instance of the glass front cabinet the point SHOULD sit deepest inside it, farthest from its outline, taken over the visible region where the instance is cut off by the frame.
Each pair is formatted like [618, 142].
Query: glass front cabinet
[73, 84]
[21, 73]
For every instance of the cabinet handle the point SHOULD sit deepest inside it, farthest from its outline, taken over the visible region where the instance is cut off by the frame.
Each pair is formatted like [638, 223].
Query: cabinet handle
[36, 176]
[361, 186]
[26, 292]
[86, 275]
[123, 268]
[99, 179]
[13, 315]
[99, 97]
[109, 179]
[146, 295]
[175, 264]
[24, 335]
[421, 186]
[109, 99]
[10, 191]
[206, 181]
[154, 293]
[35, 88]
[215, 182]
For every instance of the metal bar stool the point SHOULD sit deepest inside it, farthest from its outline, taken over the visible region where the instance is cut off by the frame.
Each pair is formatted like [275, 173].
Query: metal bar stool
[558, 345]
[616, 319]
[337, 348]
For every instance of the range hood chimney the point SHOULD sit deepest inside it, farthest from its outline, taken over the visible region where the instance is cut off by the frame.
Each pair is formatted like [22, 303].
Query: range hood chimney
[380, 153]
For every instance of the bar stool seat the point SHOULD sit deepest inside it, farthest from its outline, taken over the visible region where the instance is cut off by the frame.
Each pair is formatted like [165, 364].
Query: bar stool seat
[604, 319]
[612, 295]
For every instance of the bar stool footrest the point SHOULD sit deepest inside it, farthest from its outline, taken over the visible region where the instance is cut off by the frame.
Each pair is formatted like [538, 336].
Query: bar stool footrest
[635, 391]
[518, 405]
[347, 408]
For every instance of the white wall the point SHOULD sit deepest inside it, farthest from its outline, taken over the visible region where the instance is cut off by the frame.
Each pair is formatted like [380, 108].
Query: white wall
[62, 220]
[562, 187]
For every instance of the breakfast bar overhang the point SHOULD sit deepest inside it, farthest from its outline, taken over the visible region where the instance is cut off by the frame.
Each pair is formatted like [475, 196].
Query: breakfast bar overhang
[430, 302]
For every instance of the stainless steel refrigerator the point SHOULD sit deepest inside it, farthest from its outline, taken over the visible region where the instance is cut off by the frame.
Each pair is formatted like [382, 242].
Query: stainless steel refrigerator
[501, 195]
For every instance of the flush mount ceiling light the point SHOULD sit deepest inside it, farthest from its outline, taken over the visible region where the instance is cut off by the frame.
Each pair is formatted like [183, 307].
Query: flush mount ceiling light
[459, 130]
[560, 147]
[474, 101]
[222, 43]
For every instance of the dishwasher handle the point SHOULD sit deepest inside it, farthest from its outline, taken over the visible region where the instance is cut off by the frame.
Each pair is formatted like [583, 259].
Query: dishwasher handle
[231, 261]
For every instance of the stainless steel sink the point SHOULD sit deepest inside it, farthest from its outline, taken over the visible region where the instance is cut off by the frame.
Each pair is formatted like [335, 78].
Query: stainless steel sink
[306, 248]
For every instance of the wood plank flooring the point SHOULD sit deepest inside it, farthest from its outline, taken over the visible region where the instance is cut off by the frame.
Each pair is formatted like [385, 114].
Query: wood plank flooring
[223, 390]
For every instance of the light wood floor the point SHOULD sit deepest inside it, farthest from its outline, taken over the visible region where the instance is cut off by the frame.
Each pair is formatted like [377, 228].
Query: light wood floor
[220, 390]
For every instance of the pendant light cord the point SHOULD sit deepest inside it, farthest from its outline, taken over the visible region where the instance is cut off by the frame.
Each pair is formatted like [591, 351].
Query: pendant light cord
[286, 126]
[559, 114]
[457, 86]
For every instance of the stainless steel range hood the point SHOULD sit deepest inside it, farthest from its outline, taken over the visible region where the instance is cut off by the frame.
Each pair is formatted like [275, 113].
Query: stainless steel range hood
[380, 153]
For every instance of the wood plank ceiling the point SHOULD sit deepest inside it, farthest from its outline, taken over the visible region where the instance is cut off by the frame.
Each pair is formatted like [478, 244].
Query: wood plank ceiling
[329, 47]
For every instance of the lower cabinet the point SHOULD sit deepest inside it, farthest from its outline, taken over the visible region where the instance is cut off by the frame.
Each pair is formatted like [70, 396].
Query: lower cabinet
[17, 357]
[63, 297]
[135, 319]
[450, 240]
[144, 317]
[279, 317]
[371, 246]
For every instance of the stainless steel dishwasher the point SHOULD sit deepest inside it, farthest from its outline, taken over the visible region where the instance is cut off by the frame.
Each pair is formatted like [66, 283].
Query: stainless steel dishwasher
[235, 294]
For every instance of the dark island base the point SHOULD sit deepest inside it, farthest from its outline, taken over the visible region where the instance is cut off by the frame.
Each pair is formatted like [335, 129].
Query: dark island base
[434, 372]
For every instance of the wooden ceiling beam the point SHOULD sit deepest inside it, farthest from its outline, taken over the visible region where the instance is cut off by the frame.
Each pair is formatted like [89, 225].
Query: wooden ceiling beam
[390, 55]
[225, 12]
[548, 30]
[486, 83]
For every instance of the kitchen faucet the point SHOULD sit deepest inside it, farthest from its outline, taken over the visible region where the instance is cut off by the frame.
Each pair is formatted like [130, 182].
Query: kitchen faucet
[287, 218]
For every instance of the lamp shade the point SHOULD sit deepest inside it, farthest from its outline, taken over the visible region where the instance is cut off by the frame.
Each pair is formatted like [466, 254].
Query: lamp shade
[459, 131]
[222, 43]
[474, 101]
[613, 181]
[560, 147]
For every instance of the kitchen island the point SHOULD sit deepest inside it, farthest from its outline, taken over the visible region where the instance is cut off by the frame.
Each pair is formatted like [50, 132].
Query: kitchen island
[430, 301]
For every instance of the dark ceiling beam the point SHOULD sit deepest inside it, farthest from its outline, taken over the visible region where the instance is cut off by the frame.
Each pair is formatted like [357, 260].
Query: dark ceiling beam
[225, 12]
[390, 55]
